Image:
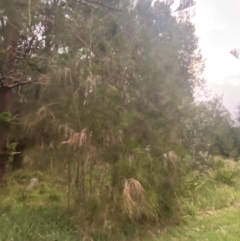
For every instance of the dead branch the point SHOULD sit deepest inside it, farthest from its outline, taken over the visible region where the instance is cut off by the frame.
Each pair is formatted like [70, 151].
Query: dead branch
[21, 83]
[14, 153]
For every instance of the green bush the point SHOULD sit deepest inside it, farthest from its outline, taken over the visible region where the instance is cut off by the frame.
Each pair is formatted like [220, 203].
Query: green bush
[5, 119]
[226, 171]
[227, 177]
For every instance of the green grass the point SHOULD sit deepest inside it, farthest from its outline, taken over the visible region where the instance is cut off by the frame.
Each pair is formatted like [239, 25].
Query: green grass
[36, 224]
[212, 226]
[50, 224]
[38, 215]
[210, 203]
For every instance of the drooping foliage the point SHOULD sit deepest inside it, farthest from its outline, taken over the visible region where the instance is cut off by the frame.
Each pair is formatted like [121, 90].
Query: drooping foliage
[113, 90]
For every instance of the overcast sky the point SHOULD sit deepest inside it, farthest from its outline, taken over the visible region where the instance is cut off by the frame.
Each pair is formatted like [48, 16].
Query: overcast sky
[218, 29]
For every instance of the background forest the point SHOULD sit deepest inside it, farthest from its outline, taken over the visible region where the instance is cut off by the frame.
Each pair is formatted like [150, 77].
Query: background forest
[102, 102]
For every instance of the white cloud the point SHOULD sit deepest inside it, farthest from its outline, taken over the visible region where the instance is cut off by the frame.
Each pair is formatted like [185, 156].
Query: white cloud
[218, 28]
[235, 82]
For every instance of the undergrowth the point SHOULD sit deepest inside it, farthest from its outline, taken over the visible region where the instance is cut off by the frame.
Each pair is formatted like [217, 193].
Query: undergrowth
[45, 214]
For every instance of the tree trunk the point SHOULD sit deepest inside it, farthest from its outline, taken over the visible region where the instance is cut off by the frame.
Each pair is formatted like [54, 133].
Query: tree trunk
[5, 100]
[18, 158]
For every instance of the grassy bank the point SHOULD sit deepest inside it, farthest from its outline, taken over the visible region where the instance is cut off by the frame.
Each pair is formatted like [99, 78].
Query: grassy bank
[210, 205]
[213, 225]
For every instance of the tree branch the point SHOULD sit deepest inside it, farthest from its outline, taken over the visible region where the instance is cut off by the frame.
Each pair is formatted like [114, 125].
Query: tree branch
[105, 6]
[89, 5]
[2, 77]
[100, 4]
[180, 8]
[21, 83]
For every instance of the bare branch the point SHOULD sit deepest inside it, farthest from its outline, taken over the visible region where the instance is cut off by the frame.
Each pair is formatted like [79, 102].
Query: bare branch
[21, 83]
[183, 7]
[83, 42]
[105, 6]
[14, 153]
[89, 5]
[185, 4]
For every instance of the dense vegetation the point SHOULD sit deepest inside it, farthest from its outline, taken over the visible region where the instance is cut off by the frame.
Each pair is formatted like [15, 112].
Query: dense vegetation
[103, 98]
